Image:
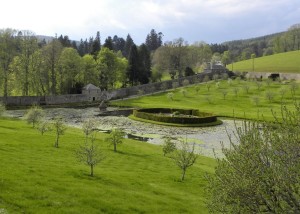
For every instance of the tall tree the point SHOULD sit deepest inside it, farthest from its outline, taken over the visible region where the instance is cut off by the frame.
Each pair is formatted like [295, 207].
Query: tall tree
[96, 45]
[107, 64]
[51, 54]
[7, 53]
[89, 72]
[144, 73]
[118, 43]
[22, 63]
[153, 40]
[68, 68]
[128, 44]
[108, 43]
[133, 66]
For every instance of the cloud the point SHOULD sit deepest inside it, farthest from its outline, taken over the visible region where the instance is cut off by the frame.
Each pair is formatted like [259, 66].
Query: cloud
[193, 19]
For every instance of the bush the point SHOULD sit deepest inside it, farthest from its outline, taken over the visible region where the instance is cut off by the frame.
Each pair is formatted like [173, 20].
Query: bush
[168, 117]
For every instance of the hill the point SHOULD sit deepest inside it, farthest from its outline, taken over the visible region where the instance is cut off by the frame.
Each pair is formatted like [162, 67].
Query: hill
[288, 62]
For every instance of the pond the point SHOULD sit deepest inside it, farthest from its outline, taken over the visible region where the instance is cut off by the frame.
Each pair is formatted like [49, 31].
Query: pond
[207, 139]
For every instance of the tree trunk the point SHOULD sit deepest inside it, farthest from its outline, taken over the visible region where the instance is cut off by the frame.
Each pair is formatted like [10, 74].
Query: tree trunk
[115, 147]
[92, 170]
[56, 142]
[183, 174]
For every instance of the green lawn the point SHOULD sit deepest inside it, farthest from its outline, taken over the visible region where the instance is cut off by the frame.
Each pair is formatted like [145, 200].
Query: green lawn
[35, 177]
[243, 105]
[284, 62]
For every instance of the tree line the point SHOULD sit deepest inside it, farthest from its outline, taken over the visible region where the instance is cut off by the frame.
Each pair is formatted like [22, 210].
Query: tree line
[265, 45]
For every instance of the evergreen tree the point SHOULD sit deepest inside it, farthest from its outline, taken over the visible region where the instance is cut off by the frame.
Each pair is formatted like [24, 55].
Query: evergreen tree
[108, 43]
[154, 40]
[118, 43]
[144, 72]
[133, 68]
[96, 45]
[81, 48]
[128, 44]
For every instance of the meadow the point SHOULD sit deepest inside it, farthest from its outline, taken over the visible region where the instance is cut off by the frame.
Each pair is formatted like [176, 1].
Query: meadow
[35, 177]
[225, 98]
[283, 62]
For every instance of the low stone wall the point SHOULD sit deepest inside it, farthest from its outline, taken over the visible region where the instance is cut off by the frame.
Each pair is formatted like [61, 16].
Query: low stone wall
[264, 75]
[103, 95]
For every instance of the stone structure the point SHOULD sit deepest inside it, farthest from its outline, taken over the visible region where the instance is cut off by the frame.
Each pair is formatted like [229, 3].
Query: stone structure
[265, 75]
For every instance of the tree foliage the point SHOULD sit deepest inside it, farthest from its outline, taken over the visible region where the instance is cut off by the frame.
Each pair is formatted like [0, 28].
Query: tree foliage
[184, 157]
[34, 115]
[260, 173]
[115, 137]
[59, 128]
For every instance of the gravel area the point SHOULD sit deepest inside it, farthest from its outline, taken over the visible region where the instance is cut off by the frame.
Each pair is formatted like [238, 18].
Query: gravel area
[207, 138]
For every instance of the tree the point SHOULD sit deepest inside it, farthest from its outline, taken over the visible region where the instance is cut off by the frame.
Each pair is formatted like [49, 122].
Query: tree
[118, 43]
[168, 146]
[170, 96]
[8, 50]
[34, 115]
[96, 45]
[108, 43]
[153, 40]
[51, 54]
[115, 137]
[88, 127]
[43, 126]
[59, 129]
[133, 66]
[127, 47]
[90, 154]
[22, 63]
[184, 157]
[260, 173]
[107, 65]
[88, 73]
[224, 93]
[226, 59]
[144, 72]
[69, 67]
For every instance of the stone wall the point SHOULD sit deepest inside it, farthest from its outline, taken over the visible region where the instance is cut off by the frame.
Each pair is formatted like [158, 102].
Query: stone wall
[264, 75]
[103, 95]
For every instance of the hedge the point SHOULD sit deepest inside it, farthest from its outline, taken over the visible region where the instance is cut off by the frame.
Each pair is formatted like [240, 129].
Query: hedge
[154, 114]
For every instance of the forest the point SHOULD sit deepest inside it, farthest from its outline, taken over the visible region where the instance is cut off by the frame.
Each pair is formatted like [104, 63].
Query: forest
[30, 65]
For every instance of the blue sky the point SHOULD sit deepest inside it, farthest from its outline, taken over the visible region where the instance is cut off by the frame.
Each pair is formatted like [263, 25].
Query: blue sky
[212, 21]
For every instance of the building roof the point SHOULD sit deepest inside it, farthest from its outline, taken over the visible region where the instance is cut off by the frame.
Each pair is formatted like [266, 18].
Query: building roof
[90, 87]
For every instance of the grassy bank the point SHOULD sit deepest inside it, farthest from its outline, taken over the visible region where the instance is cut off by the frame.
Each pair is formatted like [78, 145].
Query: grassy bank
[243, 99]
[35, 177]
[283, 62]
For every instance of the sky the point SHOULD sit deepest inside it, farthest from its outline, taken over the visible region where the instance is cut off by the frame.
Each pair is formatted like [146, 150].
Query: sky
[211, 21]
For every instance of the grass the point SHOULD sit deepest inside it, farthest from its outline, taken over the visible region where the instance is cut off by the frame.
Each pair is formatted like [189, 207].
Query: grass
[251, 105]
[283, 62]
[35, 177]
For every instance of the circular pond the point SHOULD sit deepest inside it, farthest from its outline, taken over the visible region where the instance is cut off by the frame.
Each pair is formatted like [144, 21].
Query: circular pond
[176, 117]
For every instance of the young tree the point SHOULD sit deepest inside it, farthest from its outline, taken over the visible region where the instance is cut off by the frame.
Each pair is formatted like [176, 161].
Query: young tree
[168, 146]
[34, 115]
[293, 87]
[270, 96]
[224, 93]
[197, 89]
[184, 157]
[88, 127]
[256, 100]
[183, 92]
[90, 154]
[59, 129]
[43, 126]
[260, 173]
[236, 91]
[246, 88]
[115, 137]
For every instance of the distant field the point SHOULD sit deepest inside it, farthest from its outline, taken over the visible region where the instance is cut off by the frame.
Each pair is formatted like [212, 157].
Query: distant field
[35, 177]
[284, 62]
[237, 102]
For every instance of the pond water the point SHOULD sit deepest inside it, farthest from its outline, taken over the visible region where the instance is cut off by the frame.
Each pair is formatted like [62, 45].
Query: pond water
[207, 139]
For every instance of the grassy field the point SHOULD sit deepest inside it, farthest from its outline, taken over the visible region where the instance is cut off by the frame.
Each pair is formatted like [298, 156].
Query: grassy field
[251, 104]
[284, 62]
[35, 177]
